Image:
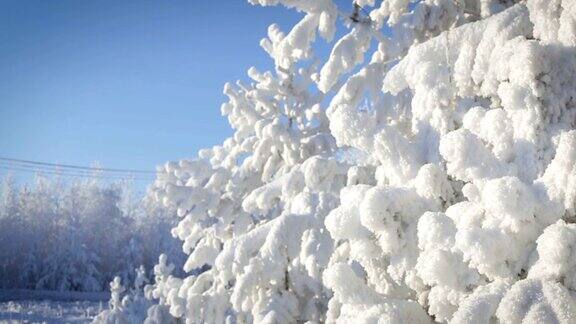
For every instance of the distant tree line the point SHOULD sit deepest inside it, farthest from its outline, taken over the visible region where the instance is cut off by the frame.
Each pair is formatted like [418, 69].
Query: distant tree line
[78, 235]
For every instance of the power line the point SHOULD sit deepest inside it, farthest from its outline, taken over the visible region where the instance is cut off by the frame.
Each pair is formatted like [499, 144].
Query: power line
[72, 172]
[33, 167]
[69, 174]
[70, 166]
[68, 170]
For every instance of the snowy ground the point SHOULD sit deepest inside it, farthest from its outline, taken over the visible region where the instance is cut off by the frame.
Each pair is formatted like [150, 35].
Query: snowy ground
[59, 308]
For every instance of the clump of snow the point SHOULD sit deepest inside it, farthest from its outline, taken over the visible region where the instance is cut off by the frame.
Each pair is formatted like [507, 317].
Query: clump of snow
[433, 181]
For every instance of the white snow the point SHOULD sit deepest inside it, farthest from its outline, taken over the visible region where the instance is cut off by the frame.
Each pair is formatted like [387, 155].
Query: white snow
[433, 180]
[40, 306]
[49, 311]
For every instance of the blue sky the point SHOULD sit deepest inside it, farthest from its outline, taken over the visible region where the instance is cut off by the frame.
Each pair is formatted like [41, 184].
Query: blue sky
[129, 84]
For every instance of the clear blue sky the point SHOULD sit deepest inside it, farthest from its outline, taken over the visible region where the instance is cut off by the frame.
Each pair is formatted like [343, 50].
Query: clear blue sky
[129, 84]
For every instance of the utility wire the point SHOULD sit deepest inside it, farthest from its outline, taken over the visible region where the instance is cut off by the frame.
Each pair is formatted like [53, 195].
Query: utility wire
[66, 170]
[78, 175]
[77, 167]
[70, 172]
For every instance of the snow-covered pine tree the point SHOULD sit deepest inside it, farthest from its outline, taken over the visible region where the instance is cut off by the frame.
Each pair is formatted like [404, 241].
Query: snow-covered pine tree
[116, 313]
[435, 181]
[253, 209]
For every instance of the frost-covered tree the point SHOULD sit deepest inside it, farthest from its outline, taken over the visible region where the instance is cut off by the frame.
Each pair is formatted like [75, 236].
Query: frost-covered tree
[115, 313]
[58, 235]
[126, 305]
[425, 171]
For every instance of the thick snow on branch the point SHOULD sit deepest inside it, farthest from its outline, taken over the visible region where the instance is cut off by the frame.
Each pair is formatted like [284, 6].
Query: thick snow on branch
[431, 180]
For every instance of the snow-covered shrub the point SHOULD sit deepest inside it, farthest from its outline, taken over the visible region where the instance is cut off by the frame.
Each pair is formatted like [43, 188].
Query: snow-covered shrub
[79, 235]
[433, 180]
[127, 305]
